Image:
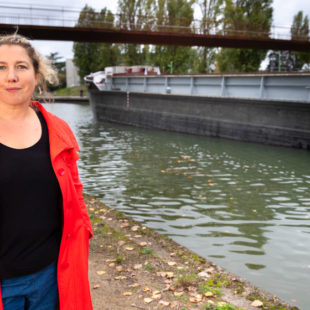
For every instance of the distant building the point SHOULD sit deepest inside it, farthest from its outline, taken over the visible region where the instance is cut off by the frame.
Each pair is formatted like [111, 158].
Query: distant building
[72, 77]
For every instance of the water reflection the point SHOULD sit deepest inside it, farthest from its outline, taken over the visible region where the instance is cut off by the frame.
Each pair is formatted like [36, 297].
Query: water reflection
[245, 206]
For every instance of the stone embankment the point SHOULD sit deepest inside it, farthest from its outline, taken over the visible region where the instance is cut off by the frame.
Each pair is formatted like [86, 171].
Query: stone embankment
[133, 267]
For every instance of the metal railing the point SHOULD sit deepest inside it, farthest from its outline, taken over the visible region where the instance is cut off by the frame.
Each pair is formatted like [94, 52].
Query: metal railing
[66, 17]
[284, 87]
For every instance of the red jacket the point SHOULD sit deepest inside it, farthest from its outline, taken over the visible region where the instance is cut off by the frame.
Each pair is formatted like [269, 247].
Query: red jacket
[72, 269]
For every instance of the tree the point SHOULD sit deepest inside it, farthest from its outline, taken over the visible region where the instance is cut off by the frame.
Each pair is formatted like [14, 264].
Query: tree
[300, 31]
[173, 16]
[210, 10]
[92, 57]
[131, 17]
[60, 65]
[249, 18]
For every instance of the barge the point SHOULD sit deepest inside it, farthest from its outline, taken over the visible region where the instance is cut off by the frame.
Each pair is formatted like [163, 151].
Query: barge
[264, 108]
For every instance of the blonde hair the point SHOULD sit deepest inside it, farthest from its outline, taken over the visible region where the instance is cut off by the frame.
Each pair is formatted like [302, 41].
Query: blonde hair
[42, 66]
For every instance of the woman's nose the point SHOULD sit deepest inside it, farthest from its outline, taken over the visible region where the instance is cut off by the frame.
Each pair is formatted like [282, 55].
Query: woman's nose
[12, 76]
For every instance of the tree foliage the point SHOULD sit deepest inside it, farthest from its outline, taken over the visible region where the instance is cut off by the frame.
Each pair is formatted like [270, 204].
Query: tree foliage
[174, 16]
[300, 31]
[92, 57]
[233, 17]
[250, 18]
[60, 65]
[210, 11]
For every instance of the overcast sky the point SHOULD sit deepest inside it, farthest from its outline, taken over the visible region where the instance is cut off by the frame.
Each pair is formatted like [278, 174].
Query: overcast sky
[283, 13]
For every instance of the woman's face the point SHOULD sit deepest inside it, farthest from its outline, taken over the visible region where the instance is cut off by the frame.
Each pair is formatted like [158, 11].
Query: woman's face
[17, 76]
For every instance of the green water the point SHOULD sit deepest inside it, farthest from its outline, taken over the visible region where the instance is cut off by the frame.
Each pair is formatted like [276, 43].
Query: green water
[244, 206]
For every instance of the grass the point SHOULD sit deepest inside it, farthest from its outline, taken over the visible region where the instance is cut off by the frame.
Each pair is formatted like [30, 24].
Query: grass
[220, 307]
[119, 259]
[71, 91]
[149, 267]
[146, 251]
[186, 280]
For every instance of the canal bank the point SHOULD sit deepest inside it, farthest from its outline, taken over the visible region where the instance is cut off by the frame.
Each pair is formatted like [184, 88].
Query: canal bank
[243, 206]
[65, 99]
[132, 266]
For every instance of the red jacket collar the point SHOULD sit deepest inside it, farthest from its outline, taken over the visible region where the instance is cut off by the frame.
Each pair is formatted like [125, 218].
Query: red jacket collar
[60, 134]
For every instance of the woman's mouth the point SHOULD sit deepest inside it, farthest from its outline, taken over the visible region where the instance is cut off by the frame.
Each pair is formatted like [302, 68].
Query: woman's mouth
[13, 89]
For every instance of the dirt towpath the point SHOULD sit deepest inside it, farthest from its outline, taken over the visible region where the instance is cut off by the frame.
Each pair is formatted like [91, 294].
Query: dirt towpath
[132, 267]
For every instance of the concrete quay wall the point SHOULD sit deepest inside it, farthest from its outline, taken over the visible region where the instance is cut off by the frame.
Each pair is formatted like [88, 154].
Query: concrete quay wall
[271, 122]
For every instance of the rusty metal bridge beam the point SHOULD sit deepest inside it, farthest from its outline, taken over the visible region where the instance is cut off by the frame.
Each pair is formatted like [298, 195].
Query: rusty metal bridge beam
[148, 37]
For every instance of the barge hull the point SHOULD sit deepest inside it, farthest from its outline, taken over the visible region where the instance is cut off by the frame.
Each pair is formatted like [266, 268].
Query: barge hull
[272, 122]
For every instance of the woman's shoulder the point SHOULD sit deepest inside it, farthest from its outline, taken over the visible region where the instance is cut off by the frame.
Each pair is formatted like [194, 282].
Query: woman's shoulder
[57, 125]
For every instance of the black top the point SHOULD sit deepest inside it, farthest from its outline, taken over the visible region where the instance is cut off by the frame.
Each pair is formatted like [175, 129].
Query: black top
[30, 208]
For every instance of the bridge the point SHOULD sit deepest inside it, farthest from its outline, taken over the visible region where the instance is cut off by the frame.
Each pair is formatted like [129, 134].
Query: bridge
[61, 24]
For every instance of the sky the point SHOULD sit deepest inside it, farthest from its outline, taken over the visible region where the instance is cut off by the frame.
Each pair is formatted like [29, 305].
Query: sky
[283, 13]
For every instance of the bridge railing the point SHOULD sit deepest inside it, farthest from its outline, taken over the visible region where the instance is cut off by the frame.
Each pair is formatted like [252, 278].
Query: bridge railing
[66, 17]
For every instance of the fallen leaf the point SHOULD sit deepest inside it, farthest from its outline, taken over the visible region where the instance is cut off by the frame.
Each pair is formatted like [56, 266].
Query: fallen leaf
[128, 248]
[121, 242]
[164, 303]
[203, 274]
[91, 209]
[172, 263]
[112, 265]
[143, 243]
[100, 272]
[119, 268]
[196, 299]
[120, 278]
[125, 225]
[178, 294]
[135, 285]
[209, 294]
[161, 274]
[173, 254]
[222, 304]
[148, 300]
[169, 275]
[137, 266]
[127, 293]
[138, 236]
[156, 295]
[96, 286]
[210, 269]
[135, 228]
[146, 289]
[257, 303]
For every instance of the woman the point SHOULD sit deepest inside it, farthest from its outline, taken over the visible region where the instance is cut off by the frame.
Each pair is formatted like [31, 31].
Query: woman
[44, 226]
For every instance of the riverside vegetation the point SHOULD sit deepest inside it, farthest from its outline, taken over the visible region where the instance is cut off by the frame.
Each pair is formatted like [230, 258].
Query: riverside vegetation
[133, 267]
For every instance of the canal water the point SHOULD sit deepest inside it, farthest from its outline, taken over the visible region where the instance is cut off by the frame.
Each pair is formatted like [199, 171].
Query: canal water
[243, 206]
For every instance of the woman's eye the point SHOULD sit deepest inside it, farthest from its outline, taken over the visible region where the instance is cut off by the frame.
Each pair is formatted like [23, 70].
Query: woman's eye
[2, 67]
[22, 67]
